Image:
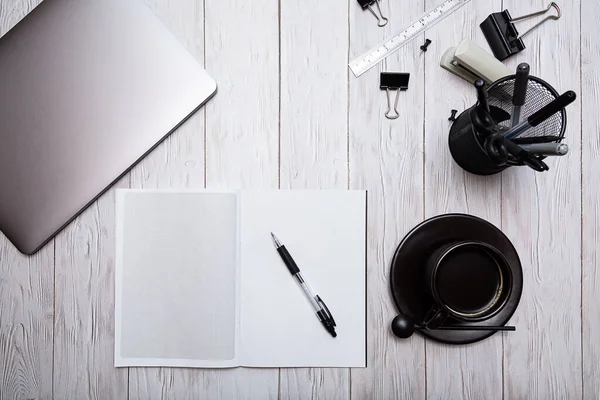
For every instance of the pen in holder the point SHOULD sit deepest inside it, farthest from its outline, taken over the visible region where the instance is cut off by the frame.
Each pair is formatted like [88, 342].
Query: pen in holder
[483, 140]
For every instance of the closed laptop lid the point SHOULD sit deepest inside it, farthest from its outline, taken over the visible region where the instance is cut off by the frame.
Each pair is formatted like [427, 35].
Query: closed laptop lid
[87, 88]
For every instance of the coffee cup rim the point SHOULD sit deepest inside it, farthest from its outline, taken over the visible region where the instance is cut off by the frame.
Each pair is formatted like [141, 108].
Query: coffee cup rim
[500, 259]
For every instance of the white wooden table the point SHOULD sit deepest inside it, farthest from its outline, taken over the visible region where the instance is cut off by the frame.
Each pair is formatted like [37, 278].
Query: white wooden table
[289, 114]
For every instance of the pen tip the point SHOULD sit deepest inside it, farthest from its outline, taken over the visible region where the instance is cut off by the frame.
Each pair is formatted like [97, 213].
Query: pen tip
[276, 241]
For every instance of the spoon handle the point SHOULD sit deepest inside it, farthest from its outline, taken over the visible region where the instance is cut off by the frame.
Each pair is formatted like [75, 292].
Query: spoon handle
[476, 328]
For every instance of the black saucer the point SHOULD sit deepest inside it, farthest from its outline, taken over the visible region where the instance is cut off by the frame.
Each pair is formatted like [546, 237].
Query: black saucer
[408, 264]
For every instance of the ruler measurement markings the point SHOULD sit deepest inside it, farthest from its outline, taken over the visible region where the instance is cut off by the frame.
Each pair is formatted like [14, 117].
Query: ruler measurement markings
[372, 57]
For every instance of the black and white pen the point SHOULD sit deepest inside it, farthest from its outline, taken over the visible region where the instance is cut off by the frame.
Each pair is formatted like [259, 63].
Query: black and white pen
[546, 149]
[321, 309]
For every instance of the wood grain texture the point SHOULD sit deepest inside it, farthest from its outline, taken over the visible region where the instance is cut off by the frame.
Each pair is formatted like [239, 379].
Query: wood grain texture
[242, 135]
[314, 93]
[12, 11]
[314, 136]
[543, 358]
[477, 367]
[26, 294]
[84, 306]
[177, 163]
[26, 315]
[590, 128]
[242, 54]
[386, 158]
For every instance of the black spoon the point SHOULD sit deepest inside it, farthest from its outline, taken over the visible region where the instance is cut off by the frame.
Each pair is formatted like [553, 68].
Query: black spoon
[403, 326]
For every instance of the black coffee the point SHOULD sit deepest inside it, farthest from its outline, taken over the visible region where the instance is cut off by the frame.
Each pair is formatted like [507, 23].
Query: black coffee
[468, 280]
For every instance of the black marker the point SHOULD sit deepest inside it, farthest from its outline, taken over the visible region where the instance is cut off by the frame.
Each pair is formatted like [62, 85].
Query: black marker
[542, 114]
[520, 93]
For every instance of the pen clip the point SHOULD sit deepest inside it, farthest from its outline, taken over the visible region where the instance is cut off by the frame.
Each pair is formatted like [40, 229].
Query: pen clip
[326, 309]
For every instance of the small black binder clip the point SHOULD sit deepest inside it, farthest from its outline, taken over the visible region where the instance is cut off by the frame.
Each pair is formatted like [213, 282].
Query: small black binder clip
[393, 81]
[366, 4]
[502, 35]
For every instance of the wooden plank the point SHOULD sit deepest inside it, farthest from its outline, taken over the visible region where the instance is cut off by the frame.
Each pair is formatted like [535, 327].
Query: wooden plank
[242, 54]
[590, 98]
[448, 188]
[26, 294]
[314, 135]
[543, 358]
[314, 94]
[386, 158]
[84, 306]
[176, 163]
[12, 11]
[26, 322]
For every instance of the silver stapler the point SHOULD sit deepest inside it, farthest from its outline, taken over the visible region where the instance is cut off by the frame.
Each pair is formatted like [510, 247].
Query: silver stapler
[470, 62]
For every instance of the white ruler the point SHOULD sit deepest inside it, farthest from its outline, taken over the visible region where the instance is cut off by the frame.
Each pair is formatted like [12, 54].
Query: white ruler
[372, 57]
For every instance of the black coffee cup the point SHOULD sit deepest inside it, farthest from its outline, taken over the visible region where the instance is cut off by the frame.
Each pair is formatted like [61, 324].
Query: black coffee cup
[469, 281]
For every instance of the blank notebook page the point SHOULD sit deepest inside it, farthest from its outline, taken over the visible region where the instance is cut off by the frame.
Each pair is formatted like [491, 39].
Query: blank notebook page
[324, 231]
[176, 278]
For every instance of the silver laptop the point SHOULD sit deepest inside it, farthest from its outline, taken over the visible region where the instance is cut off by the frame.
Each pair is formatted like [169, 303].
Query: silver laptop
[87, 88]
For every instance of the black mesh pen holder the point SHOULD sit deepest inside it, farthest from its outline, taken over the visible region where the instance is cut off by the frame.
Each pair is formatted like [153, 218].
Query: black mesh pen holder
[467, 145]
[539, 94]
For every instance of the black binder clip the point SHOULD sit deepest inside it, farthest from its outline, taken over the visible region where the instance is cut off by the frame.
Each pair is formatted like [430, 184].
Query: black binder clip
[366, 4]
[502, 35]
[393, 81]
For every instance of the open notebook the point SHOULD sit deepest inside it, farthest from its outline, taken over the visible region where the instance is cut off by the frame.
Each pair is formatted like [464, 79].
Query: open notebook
[200, 284]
